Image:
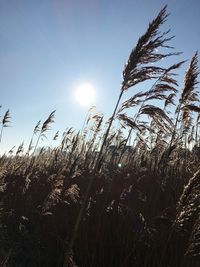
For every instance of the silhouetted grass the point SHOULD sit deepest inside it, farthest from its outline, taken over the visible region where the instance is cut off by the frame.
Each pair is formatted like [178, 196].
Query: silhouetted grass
[94, 201]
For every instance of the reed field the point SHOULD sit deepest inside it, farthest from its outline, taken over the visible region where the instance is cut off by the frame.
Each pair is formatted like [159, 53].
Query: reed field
[98, 199]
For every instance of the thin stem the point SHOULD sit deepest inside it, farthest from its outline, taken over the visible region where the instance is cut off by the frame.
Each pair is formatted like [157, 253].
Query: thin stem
[37, 143]
[138, 113]
[174, 130]
[97, 165]
[86, 196]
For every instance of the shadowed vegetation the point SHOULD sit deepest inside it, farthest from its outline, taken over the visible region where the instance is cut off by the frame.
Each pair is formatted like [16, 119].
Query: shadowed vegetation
[93, 200]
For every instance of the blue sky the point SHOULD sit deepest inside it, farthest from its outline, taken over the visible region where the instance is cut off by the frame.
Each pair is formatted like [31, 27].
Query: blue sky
[49, 47]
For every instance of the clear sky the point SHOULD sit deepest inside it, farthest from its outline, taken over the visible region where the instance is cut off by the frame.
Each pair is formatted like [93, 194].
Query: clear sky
[49, 47]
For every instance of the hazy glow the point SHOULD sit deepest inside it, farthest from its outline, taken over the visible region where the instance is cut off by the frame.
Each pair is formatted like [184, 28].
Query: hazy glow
[85, 94]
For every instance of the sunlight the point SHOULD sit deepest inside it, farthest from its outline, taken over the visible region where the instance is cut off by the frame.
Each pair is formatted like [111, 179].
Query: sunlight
[85, 94]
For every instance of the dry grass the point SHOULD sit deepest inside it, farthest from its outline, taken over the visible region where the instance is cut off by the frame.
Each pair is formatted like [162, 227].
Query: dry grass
[73, 205]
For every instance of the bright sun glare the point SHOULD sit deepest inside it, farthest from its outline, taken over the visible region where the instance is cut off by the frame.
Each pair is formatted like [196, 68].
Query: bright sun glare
[85, 94]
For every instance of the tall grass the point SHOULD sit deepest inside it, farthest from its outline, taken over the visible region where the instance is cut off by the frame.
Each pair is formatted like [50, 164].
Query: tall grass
[73, 205]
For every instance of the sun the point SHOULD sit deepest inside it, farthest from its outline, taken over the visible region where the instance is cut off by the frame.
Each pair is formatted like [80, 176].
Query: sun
[85, 94]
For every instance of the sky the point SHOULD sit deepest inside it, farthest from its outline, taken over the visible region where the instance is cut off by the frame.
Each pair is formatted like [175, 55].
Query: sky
[50, 47]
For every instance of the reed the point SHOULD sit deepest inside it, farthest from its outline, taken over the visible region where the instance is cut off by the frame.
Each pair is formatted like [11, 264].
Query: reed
[72, 205]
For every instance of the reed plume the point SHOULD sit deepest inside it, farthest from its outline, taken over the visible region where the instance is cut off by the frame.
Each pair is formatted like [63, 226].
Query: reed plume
[45, 127]
[188, 96]
[5, 122]
[139, 67]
